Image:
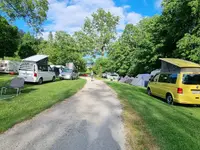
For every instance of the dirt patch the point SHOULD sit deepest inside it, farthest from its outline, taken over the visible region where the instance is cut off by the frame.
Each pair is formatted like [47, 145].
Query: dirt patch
[137, 136]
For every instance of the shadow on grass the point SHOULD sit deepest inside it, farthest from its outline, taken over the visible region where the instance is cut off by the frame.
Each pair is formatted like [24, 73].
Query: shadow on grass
[12, 94]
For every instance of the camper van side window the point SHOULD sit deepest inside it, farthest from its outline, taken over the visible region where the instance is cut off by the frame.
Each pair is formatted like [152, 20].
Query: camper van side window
[173, 78]
[155, 78]
[163, 78]
[43, 67]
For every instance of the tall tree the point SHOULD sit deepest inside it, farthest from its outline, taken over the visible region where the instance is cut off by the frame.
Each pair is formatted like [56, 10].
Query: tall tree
[29, 45]
[63, 49]
[179, 18]
[32, 11]
[9, 38]
[100, 30]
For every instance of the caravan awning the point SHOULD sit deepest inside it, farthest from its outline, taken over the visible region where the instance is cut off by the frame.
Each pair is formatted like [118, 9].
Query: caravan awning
[180, 63]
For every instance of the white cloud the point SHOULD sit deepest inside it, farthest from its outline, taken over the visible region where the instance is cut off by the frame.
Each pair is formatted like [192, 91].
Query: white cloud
[134, 18]
[69, 15]
[158, 4]
[45, 35]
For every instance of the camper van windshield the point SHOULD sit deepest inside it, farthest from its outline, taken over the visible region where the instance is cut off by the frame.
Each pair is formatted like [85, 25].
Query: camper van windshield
[67, 70]
[191, 79]
[27, 66]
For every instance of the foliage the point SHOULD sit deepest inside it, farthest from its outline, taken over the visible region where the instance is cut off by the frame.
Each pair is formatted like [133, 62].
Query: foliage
[175, 33]
[25, 51]
[32, 11]
[9, 38]
[135, 49]
[63, 49]
[102, 65]
[29, 45]
[98, 32]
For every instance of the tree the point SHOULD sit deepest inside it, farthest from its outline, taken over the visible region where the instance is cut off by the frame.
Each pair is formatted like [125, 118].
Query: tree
[32, 11]
[102, 65]
[189, 48]
[135, 51]
[178, 19]
[98, 32]
[63, 49]
[28, 46]
[25, 51]
[50, 37]
[9, 38]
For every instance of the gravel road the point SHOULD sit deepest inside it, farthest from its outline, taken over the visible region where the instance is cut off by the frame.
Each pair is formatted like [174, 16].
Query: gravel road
[89, 120]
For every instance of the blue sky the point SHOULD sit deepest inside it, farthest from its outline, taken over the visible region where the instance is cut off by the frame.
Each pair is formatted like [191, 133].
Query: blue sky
[69, 15]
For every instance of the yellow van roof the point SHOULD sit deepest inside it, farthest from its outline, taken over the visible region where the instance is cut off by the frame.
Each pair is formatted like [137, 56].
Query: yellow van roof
[181, 63]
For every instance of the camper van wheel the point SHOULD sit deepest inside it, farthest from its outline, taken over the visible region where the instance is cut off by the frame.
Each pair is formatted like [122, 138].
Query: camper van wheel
[149, 92]
[40, 81]
[54, 79]
[169, 99]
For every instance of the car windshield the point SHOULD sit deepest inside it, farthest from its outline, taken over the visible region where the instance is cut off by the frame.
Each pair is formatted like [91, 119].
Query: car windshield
[67, 70]
[191, 79]
[114, 75]
[2, 64]
[27, 66]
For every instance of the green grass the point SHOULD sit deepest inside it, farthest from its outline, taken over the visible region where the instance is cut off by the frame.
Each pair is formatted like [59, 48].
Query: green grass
[5, 78]
[34, 99]
[173, 127]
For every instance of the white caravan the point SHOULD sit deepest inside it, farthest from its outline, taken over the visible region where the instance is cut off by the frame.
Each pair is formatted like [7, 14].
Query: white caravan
[35, 69]
[8, 66]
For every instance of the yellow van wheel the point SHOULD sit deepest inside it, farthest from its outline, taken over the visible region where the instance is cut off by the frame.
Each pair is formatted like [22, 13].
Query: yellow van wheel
[169, 99]
[149, 92]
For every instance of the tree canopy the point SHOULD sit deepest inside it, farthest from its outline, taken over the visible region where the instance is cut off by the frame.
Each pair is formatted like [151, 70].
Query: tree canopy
[98, 31]
[32, 11]
[9, 38]
[175, 33]
[63, 49]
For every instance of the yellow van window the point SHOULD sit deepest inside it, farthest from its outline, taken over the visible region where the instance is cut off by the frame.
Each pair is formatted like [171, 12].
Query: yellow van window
[173, 78]
[191, 79]
[163, 78]
[168, 78]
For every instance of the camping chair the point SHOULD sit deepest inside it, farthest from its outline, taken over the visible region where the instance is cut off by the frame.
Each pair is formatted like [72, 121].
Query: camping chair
[16, 83]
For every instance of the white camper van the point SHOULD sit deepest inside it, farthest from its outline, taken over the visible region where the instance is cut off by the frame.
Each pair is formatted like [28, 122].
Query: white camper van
[35, 69]
[8, 66]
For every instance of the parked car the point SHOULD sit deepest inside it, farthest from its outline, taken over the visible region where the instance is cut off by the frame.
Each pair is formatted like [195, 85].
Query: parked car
[35, 69]
[113, 76]
[104, 75]
[8, 66]
[181, 84]
[68, 74]
[107, 74]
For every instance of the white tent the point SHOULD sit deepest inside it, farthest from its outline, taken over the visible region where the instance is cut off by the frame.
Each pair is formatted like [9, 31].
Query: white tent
[126, 79]
[141, 80]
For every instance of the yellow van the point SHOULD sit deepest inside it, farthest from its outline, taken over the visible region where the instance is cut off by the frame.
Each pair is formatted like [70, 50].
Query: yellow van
[178, 81]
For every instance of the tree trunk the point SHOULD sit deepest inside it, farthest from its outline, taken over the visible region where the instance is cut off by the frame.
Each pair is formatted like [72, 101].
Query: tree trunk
[102, 50]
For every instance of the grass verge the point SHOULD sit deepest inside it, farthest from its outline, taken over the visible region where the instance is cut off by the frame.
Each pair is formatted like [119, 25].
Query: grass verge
[34, 99]
[148, 118]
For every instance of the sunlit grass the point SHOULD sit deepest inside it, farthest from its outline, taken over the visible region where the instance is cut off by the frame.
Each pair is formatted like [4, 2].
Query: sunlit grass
[34, 99]
[173, 127]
